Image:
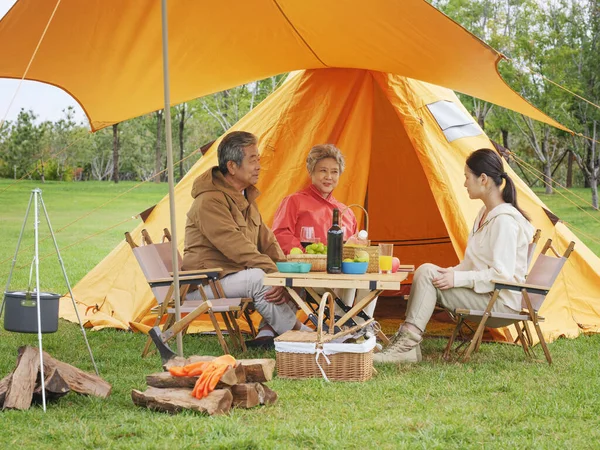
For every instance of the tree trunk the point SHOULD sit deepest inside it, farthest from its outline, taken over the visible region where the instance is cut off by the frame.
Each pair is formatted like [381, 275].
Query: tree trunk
[588, 159]
[594, 169]
[158, 154]
[504, 137]
[42, 178]
[181, 129]
[570, 169]
[115, 175]
[547, 164]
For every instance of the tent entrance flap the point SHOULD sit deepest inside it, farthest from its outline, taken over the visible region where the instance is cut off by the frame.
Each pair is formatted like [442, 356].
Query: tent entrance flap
[401, 205]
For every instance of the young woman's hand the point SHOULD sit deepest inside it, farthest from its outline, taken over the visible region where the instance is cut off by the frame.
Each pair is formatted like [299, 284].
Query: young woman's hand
[445, 280]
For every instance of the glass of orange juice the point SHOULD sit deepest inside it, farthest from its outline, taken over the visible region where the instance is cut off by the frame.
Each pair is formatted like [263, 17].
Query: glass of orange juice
[386, 253]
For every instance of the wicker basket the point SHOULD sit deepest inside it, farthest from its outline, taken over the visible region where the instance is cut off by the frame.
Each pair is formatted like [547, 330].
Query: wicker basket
[319, 262]
[352, 364]
[349, 251]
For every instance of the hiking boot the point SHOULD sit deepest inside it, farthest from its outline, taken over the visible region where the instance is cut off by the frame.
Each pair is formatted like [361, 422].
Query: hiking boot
[404, 347]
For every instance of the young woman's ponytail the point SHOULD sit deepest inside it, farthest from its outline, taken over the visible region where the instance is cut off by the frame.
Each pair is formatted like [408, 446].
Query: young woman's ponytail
[509, 193]
[489, 162]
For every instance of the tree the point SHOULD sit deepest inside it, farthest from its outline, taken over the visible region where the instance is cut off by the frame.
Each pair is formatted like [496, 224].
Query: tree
[23, 145]
[115, 176]
[159, 146]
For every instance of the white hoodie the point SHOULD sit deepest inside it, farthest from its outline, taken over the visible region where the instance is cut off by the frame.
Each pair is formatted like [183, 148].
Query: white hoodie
[496, 251]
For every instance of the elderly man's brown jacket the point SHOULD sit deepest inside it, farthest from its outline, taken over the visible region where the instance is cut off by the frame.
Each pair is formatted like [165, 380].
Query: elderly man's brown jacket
[225, 229]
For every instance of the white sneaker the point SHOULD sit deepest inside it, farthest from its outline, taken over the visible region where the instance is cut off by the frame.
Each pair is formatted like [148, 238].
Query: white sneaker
[404, 347]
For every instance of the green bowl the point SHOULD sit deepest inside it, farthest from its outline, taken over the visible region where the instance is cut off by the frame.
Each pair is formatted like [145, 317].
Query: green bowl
[293, 267]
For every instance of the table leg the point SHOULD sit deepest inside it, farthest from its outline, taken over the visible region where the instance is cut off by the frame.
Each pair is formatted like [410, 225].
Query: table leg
[301, 304]
[359, 306]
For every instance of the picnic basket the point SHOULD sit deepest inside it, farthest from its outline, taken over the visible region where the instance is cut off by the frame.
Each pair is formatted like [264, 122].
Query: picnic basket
[349, 251]
[319, 262]
[309, 354]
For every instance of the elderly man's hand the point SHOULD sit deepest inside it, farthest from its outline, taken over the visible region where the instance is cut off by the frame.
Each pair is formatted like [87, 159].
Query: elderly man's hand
[277, 295]
[445, 280]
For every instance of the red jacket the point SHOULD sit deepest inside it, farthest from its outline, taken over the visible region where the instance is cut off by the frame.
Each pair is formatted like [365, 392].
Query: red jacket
[308, 208]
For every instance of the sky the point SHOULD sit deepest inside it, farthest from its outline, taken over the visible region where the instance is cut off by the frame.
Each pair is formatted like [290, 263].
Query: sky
[47, 102]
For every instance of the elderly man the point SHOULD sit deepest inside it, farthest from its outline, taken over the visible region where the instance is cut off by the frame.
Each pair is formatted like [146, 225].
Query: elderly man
[225, 229]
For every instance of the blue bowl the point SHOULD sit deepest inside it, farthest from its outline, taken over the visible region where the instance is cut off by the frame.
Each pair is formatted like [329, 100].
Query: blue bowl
[356, 268]
[293, 267]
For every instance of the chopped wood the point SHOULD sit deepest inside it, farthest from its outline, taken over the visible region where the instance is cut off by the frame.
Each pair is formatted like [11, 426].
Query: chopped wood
[249, 395]
[245, 395]
[233, 375]
[4, 384]
[22, 382]
[176, 400]
[268, 395]
[55, 385]
[23, 385]
[78, 380]
[257, 370]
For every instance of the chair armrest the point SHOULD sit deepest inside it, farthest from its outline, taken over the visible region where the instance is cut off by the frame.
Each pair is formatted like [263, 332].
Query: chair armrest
[187, 279]
[213, 272]
[511, 286]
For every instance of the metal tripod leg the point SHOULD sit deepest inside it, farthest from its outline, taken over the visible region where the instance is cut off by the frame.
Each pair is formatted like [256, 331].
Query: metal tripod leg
[62, 267]
[14, 261]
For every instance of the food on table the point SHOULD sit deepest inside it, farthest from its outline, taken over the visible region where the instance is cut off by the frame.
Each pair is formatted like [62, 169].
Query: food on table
[316, 249]
[361, 256]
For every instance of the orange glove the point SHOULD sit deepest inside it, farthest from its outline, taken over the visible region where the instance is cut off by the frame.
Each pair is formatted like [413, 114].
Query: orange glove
[211, 374]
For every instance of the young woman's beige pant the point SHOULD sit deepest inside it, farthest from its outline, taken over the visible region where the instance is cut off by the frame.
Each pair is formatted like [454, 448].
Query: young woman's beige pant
[424, 296]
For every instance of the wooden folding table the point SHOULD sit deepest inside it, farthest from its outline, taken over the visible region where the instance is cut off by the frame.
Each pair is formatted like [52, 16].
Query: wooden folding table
[375, 283]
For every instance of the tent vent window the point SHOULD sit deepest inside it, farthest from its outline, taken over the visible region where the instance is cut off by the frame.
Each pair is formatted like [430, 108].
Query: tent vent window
[453, 121]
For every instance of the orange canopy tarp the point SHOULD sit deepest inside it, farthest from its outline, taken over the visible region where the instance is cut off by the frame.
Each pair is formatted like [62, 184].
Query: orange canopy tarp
[107, 54]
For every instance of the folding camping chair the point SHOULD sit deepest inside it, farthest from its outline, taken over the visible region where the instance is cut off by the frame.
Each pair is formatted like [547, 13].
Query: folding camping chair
[212, 280]
[538, 283]
[151, 258]
[530, 251]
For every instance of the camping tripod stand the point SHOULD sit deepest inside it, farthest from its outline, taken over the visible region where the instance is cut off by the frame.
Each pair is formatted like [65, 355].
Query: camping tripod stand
[36, 198]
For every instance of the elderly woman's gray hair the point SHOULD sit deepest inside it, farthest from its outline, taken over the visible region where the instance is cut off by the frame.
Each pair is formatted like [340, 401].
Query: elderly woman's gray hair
[319, 152]
[231, 148]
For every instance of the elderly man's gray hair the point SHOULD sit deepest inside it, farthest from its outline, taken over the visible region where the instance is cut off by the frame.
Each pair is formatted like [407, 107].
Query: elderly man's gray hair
[322, 151]
[231, 148]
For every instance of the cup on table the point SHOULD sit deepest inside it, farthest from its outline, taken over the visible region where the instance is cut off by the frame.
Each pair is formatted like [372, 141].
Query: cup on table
[307, 236]
[386, 253]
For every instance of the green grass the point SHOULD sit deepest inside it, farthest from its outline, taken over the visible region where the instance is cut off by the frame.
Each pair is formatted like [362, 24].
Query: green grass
[500, 399]
[570, 213]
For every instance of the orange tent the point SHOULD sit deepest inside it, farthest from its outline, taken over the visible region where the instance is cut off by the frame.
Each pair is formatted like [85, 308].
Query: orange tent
[405, 144]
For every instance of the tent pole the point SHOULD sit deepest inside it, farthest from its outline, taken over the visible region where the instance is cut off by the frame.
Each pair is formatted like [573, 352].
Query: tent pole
[165, 46]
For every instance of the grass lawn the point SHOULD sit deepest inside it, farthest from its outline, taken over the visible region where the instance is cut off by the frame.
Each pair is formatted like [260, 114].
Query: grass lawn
[500, 399]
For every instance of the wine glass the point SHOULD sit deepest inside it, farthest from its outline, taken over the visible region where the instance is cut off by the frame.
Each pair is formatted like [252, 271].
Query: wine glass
[307, 236]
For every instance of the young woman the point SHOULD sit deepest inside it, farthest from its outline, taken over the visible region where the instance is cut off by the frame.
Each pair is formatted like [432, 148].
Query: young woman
[496, 250]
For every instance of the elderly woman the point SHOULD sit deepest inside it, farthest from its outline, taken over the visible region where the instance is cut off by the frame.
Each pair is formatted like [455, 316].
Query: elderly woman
[314, 205]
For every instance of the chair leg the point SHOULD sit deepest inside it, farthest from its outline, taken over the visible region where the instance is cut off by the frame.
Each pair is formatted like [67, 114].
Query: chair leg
[218, 331]
[230, 331]
[542, 342]
[529, 338]
[250, 323]
[476, 337]
[448, 349]
[523, 340]
[238, 332]
[161, 312]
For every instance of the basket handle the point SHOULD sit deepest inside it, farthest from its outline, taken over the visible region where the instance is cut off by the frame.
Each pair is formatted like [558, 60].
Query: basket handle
[326, 295]
[358, 206]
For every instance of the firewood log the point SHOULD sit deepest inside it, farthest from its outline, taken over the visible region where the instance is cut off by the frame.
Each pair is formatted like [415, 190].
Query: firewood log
[176, 400]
